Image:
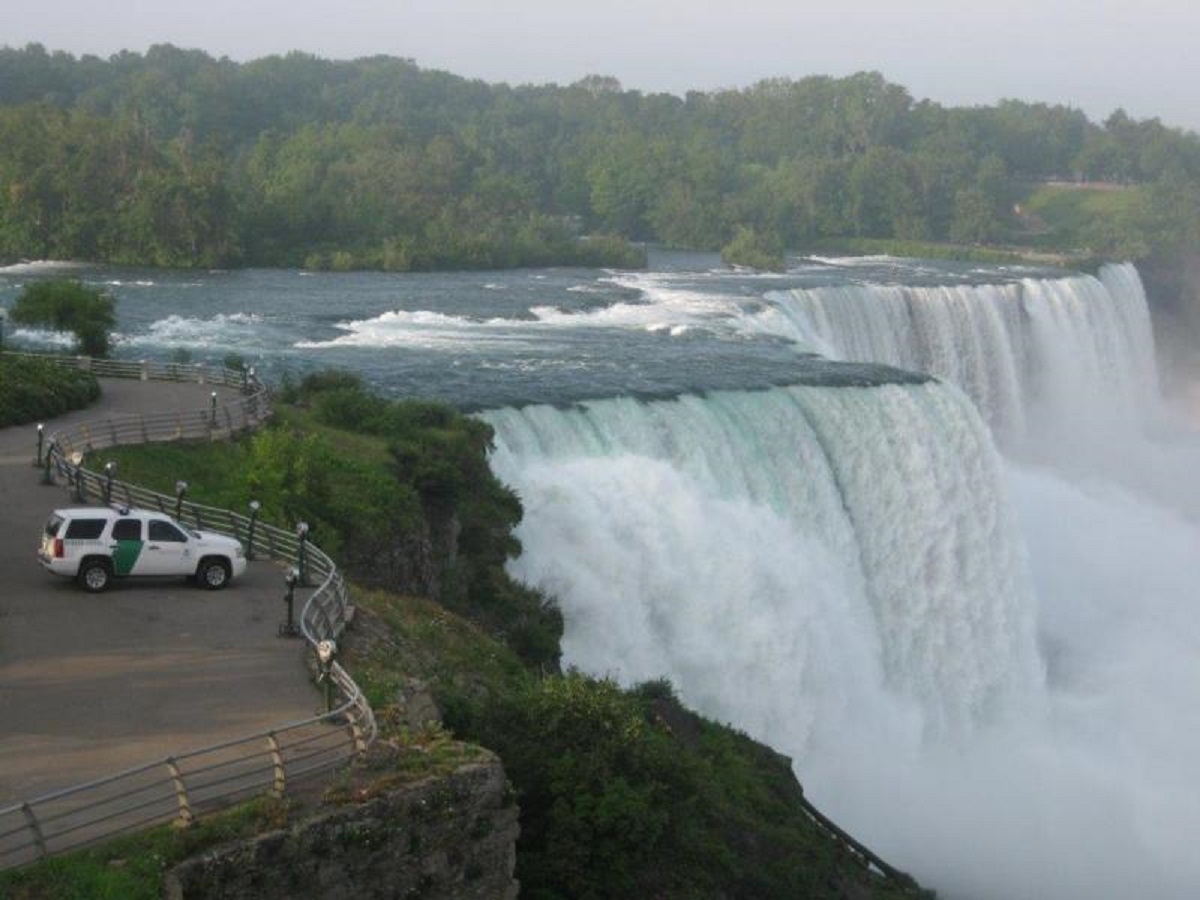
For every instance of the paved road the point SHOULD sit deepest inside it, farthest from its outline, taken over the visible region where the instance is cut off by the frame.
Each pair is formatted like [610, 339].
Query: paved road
[92, 684]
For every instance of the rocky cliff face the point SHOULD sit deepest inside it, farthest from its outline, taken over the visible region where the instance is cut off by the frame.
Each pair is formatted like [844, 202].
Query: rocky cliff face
[412, 560]
[447, 838]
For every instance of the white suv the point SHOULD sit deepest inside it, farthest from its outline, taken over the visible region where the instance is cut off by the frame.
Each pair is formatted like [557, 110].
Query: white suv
[94, 544]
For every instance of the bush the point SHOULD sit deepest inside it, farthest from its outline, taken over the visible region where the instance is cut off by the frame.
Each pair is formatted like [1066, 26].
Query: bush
[35, 389]
[68, 306]
[749, 248]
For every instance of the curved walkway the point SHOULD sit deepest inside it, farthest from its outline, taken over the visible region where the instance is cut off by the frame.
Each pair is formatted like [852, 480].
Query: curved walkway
[90, 684]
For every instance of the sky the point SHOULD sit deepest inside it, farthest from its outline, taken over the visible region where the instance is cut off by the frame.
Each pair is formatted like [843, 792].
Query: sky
[1095, 55]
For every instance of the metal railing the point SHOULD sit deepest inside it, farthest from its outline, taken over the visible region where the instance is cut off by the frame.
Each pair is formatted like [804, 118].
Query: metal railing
[266, 762]
[147, 370]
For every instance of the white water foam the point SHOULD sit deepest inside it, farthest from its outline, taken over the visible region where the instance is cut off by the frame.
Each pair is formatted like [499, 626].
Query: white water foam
[39, 337]
[221, 330]
[36, 266]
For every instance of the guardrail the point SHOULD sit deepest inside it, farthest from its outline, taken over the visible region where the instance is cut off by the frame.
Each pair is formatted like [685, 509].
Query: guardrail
[148, 370]
[266, 762]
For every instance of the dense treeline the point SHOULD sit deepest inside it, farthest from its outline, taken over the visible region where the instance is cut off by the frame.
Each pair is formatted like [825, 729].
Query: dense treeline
[176, 158]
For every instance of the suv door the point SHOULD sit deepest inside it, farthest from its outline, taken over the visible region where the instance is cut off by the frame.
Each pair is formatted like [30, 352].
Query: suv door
[168, 550]
[126, 544]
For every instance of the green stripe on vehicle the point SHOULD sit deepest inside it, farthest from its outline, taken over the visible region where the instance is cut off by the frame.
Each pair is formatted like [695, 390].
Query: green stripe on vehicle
[126, 555]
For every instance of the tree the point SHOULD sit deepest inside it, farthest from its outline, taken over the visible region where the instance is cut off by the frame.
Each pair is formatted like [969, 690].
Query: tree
[758, 251]
[64, 305]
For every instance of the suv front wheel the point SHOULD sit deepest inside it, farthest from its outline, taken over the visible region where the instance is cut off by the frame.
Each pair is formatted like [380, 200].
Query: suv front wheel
[213, 573]
[94, 575]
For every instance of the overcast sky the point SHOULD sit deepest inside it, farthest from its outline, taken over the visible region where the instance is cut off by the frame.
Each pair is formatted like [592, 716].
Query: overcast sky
[1096, 55]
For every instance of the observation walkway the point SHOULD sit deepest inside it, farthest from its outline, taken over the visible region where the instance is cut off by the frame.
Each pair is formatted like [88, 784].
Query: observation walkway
[92, 684]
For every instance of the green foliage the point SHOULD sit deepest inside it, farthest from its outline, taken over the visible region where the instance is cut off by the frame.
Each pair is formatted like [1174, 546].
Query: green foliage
[628, 794]
[34, 389]
[749, 248]
[131, 868]
[64, 305]
[595, 785]
[1118, 222]
[175, 158]
[440, 476]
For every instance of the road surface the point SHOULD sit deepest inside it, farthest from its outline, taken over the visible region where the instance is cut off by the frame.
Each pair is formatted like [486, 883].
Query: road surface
[92, 684]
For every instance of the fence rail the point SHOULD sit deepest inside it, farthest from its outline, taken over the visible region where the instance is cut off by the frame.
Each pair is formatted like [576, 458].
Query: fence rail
[175, 789]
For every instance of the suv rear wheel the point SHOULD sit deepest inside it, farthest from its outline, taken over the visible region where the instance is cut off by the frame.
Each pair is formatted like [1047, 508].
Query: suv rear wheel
[213, 573]
[95, 575]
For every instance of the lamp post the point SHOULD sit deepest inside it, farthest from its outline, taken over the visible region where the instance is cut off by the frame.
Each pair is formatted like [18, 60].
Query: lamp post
[47, 478]
[110, 469]
[180, 492]
[213, 407]
[41, 430]
[255, 506]
[326, 651]
[302, 552]
[74, 475]
[288, 628]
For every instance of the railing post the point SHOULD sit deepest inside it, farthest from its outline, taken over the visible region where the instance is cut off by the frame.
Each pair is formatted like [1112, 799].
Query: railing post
[39, 839]
[255, 506]
[356, 735]
[181, 797]
[47, 478]
[279, 784]
[302, 552]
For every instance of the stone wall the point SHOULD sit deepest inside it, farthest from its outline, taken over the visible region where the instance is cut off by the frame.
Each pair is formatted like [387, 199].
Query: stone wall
[438, 839]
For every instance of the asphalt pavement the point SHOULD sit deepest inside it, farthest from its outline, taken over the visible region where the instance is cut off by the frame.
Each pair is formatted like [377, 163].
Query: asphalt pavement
[91, 684]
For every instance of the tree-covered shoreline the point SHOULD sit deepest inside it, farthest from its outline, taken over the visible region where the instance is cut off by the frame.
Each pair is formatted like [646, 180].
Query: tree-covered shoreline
[174, 158]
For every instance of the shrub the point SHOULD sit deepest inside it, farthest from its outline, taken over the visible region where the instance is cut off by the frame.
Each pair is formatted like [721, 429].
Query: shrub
[34, 389]
[68, 306]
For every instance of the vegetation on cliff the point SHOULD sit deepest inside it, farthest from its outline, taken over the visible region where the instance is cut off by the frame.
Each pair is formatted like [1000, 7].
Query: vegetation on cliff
[623, 793]
[174, 158]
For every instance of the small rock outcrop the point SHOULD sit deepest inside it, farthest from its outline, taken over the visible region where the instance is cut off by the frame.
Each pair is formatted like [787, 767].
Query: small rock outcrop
[446, 838]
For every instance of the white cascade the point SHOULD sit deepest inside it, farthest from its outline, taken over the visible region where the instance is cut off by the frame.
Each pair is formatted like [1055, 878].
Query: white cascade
[744, 539]
[1064, 354]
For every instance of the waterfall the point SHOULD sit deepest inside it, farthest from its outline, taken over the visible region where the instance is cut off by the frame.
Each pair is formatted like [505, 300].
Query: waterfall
[1001, 699]
[1073, 355]
[850, 546]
